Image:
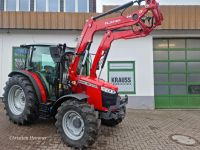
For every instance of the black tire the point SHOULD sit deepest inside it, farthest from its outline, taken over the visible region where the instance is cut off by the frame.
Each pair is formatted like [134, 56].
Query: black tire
[31, 109]
[114, 122]
[89, 117]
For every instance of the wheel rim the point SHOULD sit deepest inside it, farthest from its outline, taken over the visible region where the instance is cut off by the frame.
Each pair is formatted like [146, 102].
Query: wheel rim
[16, 100]
[73, 125]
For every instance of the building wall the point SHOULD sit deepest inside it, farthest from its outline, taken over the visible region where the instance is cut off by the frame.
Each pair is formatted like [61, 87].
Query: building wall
[175, 18]
[138, 50]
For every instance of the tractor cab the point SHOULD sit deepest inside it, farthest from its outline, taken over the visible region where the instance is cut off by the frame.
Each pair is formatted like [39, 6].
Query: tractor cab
[51, 63]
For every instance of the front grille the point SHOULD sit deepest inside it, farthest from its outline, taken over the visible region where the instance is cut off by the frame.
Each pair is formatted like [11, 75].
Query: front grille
[109, 99]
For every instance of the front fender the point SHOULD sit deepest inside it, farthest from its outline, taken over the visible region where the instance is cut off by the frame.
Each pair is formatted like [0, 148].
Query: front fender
[80, 97]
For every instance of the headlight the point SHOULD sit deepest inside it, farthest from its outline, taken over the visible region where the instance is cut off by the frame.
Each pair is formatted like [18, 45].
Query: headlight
[107, 90]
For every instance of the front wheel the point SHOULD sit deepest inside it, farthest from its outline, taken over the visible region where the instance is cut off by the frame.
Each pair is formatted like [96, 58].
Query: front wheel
[77, 123]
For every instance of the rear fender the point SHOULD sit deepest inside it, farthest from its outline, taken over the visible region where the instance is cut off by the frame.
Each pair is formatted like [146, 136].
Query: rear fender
[39, 88]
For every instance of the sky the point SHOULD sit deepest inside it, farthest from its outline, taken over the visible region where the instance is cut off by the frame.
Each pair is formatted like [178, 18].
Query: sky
[100, 3]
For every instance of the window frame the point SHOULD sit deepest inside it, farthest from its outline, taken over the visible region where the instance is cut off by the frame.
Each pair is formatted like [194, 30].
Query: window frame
[76, 6]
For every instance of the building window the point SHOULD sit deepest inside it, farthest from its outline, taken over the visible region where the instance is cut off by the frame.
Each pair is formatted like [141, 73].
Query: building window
[76, 5]
[70, 5]
[24, 5]
[41, 5]
[10, 5]
[53, 5]
[82, 5]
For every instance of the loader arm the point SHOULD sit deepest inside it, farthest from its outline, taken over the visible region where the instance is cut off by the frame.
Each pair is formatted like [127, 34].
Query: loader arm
[112, 27]
[108, 38]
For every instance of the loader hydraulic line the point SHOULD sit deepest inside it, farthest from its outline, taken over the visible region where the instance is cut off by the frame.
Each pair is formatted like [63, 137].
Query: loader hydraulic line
[114, 10]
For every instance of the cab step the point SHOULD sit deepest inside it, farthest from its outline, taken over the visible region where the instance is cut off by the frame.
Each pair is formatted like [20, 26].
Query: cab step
[44, 110]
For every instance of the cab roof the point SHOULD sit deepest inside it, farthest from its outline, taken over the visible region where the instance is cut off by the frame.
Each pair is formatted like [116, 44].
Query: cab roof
[48, 45]
[29, 45]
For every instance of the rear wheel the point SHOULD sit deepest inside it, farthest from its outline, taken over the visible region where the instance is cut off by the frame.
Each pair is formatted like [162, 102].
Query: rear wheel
[77, 123]
[20, 100]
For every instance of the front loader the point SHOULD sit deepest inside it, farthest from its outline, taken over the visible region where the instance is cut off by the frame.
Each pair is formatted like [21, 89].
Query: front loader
[57, 81]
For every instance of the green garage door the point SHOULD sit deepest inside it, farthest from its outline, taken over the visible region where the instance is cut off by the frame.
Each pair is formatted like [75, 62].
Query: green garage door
[177, 73]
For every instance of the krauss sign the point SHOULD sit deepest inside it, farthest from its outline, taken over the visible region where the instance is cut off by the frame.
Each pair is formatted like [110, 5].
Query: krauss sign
[121, 80]
[122, 74]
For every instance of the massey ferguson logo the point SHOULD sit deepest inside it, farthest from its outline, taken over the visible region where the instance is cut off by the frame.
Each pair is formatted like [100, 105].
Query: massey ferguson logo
[112, 21]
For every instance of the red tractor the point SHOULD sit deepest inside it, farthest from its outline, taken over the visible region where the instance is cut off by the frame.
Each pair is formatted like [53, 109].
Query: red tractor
[56, 80]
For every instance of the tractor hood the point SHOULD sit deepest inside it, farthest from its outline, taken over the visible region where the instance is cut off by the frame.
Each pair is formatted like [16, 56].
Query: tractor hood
[95, 82]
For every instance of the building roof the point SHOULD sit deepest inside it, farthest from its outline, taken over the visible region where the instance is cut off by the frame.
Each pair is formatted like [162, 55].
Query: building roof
[175, 17]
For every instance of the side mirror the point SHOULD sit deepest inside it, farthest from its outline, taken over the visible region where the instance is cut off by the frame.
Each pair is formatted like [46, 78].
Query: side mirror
[55, 53]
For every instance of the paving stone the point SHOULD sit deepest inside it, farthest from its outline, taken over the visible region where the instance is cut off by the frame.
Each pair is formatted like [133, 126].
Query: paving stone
[141, 130]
